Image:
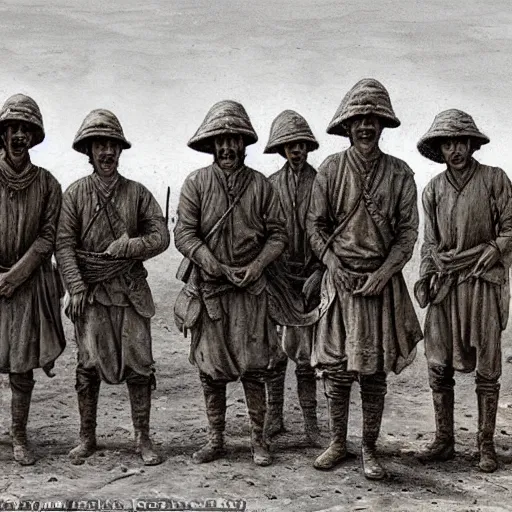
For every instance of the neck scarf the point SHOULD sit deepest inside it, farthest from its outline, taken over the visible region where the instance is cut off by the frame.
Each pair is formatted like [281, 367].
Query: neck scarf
[16, 181]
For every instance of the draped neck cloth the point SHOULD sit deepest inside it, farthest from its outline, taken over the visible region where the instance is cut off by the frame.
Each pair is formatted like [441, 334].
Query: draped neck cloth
[104, 188]
[16, 181]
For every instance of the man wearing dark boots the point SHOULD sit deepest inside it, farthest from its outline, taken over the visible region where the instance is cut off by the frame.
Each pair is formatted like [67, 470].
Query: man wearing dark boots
[291, 137]
[465, 261]
[31, 334]
[230, 227]
[108, 226]
[362, 225]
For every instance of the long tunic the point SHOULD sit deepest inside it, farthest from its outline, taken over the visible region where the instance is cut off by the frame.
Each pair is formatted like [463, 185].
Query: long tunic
[113, 335]
[464, 322]
[234, 334]
[377, 211]
[298, 260]
[31, 334]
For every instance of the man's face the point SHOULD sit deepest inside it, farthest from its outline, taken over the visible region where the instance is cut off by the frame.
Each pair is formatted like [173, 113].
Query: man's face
[456, 152]
[105, 155]
[365, 133]
[229, 151]
[17, 139]
[297, 153]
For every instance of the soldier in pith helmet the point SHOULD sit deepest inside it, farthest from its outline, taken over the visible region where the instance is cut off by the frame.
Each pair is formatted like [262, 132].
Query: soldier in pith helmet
[362, 224]
[31, 334]
[291, 137]
[108, 226]
[231, 226]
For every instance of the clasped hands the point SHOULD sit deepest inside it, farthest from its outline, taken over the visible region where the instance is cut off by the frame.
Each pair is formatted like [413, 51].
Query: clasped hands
[373, 285]
[241, 276]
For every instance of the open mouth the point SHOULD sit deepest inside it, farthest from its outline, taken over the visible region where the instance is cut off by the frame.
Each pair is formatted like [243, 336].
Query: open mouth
[366, 136]
[18, 147]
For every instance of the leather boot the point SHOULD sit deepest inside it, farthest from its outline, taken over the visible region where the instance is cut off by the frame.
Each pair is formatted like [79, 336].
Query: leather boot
[256, 405]
[22, 385]
[274, 424]
[215, 400]
[88, 388]
[139, 391]
[338, 403]
[373, 392]
[306, 389]
[487, 410]
[443, 446]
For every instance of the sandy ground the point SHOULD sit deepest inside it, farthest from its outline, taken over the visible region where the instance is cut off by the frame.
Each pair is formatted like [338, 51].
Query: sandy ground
[160, 65]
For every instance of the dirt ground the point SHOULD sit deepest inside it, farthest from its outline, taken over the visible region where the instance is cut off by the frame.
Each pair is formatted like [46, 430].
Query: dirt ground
[178, 426]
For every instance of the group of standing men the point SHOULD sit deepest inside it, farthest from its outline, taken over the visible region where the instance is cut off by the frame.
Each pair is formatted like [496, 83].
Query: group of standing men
[308, 266]
[301, 265]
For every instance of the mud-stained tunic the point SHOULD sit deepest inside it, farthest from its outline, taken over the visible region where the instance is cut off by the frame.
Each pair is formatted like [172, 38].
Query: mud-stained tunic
[298, 260]
[31, 334]
[234, 334]
[114, 334]
[378, 213]
[465, 318]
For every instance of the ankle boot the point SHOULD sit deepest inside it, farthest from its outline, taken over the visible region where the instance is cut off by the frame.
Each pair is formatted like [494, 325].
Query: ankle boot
[255, 399]
[443, 446]
[140, 401]
[306, 389]
[215, 401]
[274, 424]
[487, 410]
[338, 403]
[21, 387]
[373, 407]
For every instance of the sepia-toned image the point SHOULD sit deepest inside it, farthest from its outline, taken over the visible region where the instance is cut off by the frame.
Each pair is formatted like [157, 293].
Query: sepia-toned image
[255, 255]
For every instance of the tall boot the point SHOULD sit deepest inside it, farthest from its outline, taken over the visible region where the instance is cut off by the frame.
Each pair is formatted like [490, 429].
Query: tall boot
[215, 401]
[22, 385]
[88, 389]
[373, 392]
[306, 389]
[256, 406]
[139, 390]
[337, 391]
[274, 424]
[488, 395]
[443, 446]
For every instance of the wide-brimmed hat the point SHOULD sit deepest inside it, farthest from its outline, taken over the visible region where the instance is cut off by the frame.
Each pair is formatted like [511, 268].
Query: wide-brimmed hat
[99, 123]
[449, 124]
[224, 118]
[289, 126]
[23, 108]
[367, 97]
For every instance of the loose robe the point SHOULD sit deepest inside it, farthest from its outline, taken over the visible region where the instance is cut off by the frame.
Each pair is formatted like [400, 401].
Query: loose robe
[377, 211]
[114, 334]
[31, 334]
[298, 260]
[234, 333]
[466, 316]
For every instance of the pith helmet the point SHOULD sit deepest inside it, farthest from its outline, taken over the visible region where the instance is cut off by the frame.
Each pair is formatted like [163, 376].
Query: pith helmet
[23, 108]
[225, 117]
[447, 124]
[99, 123]
[368, 96]
[289, 126]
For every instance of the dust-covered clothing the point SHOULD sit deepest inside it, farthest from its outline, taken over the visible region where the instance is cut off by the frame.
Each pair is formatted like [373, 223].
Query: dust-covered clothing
[370, 207]
[31, 334]
[114, 334]
[234, 334]
[463, 215]
[298, 262]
